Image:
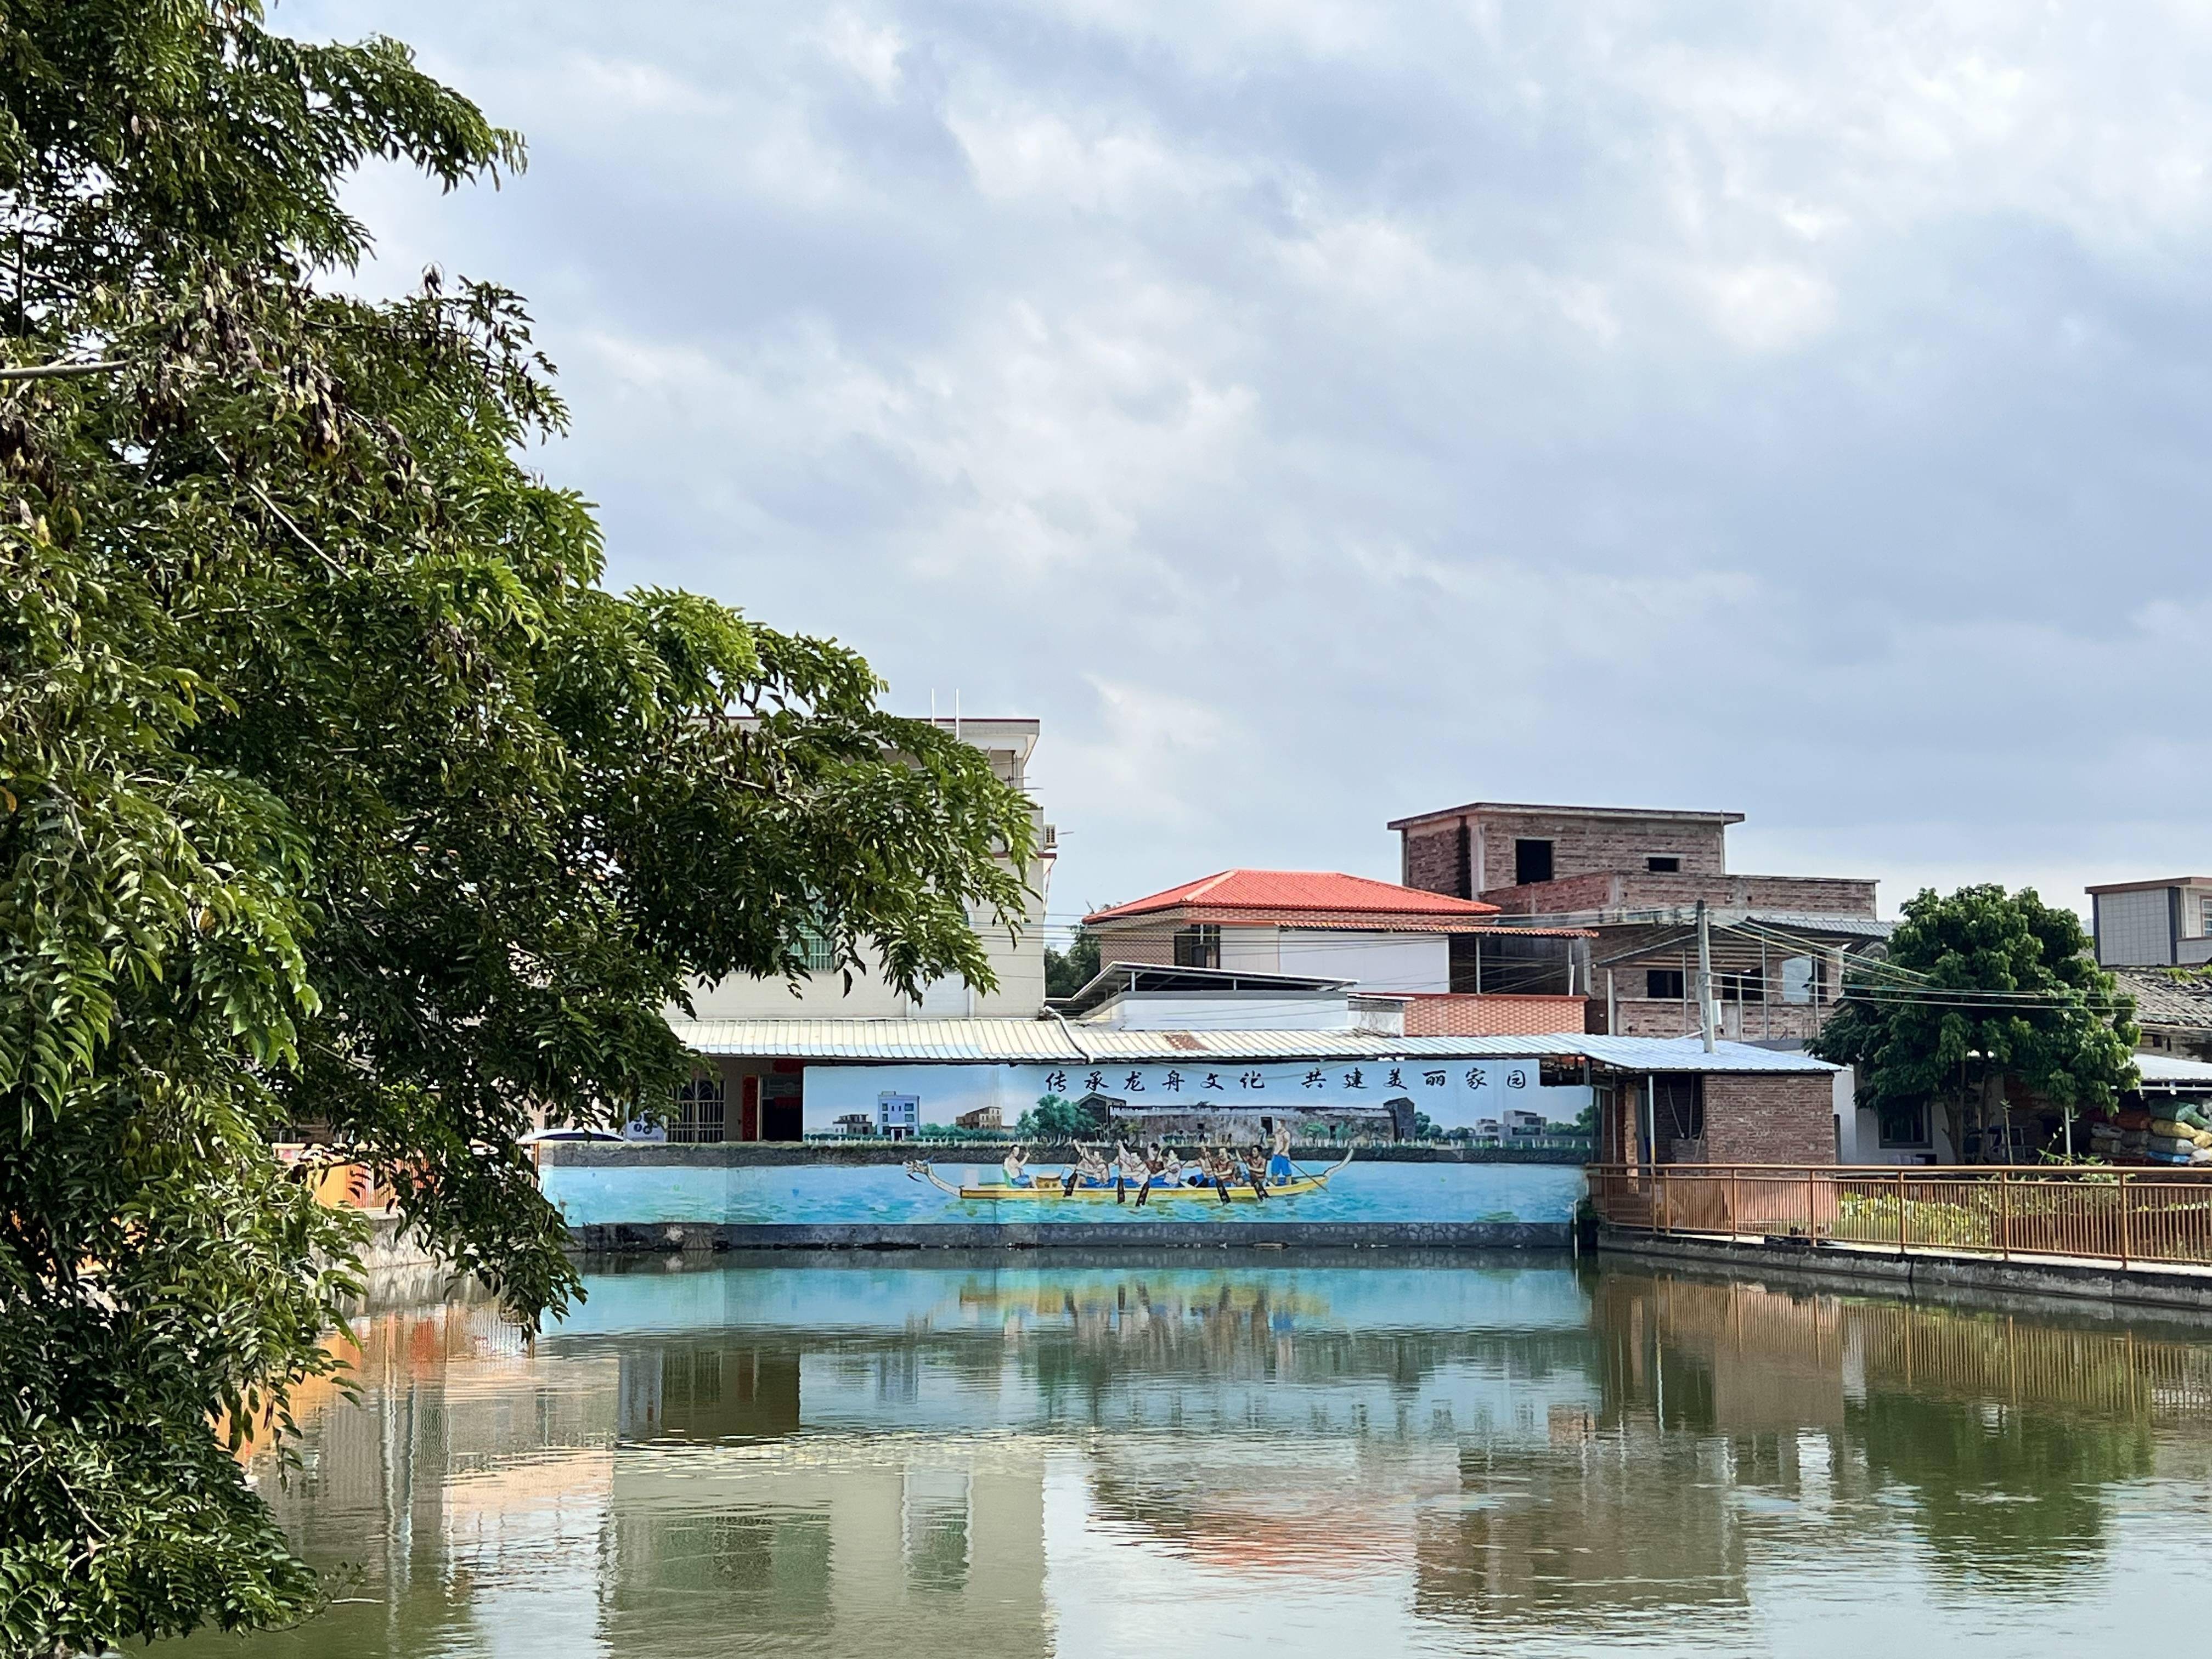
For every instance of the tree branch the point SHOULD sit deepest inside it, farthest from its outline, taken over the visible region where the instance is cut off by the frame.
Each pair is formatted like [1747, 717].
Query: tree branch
[62, 371]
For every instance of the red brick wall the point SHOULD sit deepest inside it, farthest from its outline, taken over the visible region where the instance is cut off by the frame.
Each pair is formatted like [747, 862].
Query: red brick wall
[1581, 846]
[1668, 1017]
[1831, 895]
[1770, 1118]
[1148, 945]
[1493, 1016]
[1590, 892]
[1431, 860]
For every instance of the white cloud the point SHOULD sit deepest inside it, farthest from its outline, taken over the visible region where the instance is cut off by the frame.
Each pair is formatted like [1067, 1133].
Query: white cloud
[1318, 412]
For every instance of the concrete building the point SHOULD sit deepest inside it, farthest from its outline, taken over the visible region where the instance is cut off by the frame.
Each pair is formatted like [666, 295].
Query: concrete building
[1634, 878]
[2153, 924]
[1456, 973]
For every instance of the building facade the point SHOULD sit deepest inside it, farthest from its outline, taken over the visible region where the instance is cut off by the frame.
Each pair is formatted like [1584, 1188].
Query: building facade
[1635, 879]
[2164, 923]
[1457, 972]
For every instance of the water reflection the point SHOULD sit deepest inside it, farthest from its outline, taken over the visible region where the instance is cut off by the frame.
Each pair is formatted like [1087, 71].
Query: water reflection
[1070, 1457]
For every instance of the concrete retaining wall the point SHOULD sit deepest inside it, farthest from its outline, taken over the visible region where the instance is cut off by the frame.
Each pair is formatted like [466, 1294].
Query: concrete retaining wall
[707, 1236]
[1917, 1272]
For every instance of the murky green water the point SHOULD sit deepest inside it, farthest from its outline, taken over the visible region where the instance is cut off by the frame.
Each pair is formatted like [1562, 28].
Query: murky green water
[1192, 1454]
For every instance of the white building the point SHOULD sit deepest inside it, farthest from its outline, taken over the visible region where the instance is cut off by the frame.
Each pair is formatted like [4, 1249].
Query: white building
[1457, 972]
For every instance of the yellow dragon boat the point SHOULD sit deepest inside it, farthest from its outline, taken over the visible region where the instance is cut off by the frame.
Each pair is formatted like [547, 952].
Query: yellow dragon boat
[1048, 1187]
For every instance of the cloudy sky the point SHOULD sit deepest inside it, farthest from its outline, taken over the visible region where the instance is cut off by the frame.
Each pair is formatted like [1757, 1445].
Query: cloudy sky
[1321, 412]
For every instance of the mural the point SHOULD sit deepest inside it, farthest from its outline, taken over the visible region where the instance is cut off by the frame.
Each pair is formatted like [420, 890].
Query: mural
[832, 1195]
[1213, 1101]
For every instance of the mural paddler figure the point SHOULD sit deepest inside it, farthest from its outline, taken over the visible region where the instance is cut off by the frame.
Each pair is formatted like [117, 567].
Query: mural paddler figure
[1216, 1174]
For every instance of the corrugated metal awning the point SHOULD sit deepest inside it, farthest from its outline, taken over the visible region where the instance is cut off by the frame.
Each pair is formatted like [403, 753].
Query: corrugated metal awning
[1013, 1041]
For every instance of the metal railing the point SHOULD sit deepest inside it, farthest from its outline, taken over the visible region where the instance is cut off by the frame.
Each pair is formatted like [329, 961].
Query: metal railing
[2092, 1213]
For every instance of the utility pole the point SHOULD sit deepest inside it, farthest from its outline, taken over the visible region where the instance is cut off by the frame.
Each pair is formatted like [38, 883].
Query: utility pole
[1706, 1021]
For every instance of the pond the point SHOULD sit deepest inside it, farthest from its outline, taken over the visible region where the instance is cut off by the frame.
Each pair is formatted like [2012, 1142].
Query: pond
[1200, 1451]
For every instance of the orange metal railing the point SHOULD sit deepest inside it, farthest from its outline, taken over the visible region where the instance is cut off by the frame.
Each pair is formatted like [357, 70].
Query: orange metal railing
[2148, 1216]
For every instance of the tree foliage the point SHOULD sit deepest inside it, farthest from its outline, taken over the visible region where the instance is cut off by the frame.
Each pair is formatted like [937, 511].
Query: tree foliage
[1978, 988]
[1057, 1120]
[1068, 972]
[333, 786]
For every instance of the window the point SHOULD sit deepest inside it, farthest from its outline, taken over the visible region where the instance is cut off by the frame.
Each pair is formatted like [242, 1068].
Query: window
[1532, 862]
[1664, 984]
[700, 1105]
[1678, 1108]
[1740, 987]
[1199, 946]
[1902, 1122]
[1664, 864]
[818, 954]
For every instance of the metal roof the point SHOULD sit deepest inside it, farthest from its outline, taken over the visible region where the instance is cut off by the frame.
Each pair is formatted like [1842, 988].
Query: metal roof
[2166, 1068]
[1015, 1041]
[1140, 978]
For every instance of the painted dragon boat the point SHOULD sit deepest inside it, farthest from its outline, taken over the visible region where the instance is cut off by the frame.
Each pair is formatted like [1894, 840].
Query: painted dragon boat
[1050, 1187]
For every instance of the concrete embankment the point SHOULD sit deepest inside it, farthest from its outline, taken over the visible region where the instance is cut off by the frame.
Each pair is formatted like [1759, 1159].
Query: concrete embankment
[617, 1238]
[1920, 1272]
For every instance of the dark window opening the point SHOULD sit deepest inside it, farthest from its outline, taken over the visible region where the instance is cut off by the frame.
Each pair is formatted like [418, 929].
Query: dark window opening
[1740, 987]
[1199, 946]
[1502, 962]
[1902, 1122]
[1532, 862]
[1664, 984]
[1666, 864]
[1678, 1108]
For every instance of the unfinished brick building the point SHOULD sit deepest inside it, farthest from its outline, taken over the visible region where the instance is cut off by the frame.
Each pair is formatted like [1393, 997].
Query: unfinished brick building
[1635, 878]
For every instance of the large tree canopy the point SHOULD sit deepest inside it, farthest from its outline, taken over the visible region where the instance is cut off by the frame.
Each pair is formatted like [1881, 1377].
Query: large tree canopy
[1979, 987]
[333, 787]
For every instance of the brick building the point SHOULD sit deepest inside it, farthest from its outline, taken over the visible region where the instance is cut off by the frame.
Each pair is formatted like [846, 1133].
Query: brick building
[1633, 880]
[1671, 1102]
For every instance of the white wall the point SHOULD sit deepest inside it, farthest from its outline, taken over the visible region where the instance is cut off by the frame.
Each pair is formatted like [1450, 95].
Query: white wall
[1242, 1011]
[1251, 951]
[1379, 960]
[1018, 964]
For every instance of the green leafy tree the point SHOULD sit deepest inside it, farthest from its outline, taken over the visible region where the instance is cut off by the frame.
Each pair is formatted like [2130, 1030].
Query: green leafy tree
[1068, 972]
[1978, 988]
[1054, 1118]
[334, 788]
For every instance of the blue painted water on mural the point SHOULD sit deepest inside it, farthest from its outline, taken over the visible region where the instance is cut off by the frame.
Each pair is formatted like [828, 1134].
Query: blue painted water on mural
[884, 1195]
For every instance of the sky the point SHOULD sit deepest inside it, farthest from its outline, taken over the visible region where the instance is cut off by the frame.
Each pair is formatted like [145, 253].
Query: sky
[1318, 413]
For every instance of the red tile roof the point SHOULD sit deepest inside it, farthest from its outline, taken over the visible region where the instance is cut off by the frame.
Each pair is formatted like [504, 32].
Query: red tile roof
[1287, 894]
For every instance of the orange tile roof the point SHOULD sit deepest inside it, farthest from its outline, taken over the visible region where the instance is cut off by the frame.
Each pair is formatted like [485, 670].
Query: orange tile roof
[1287, 894]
